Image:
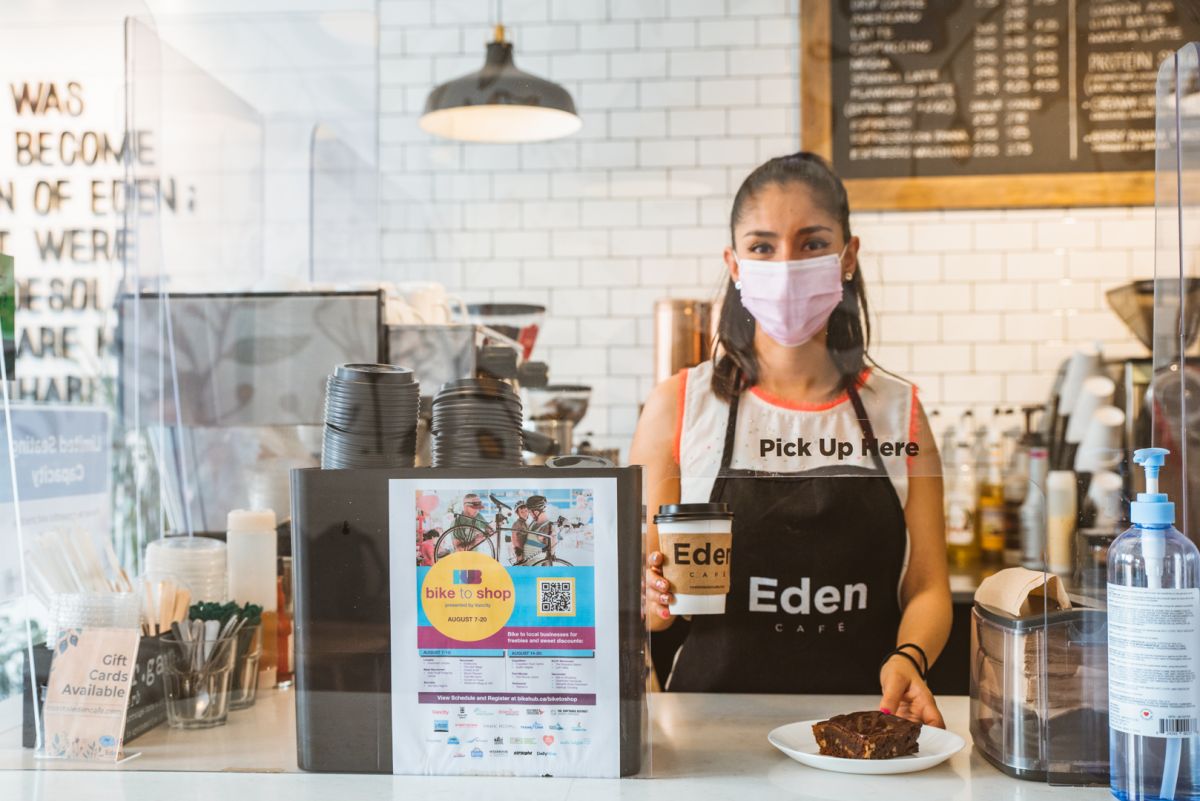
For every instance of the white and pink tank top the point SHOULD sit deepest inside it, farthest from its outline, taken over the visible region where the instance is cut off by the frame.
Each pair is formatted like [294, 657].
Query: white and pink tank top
[776, 436]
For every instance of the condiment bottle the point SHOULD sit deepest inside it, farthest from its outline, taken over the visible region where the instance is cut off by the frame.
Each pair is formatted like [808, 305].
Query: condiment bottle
[285, 673]
[962, 543]
[1033, 510]
[990, 516]
[1016, 486]
[1061, 514]
[251, 540]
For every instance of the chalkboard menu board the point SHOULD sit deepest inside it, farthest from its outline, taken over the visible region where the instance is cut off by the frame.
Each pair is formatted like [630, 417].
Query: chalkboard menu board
[975, 103]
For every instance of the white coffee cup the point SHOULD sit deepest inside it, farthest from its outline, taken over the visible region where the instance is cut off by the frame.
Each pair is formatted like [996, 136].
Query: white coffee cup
[696, 542]
[429, 302]
[399, 312]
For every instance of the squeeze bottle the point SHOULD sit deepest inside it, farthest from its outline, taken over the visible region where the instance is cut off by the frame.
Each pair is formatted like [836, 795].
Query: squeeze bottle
[1061, 516]
[251, 539]
[1153, 651]
[1033, 510]
[962, 541]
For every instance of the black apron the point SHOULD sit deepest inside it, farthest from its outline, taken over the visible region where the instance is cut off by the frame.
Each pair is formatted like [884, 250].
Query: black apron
[825, 549]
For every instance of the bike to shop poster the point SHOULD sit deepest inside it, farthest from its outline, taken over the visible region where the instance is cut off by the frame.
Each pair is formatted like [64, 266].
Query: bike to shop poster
[504, 626]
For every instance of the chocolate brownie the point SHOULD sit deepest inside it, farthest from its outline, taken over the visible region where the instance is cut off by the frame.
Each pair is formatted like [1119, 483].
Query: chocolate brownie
[867, 735]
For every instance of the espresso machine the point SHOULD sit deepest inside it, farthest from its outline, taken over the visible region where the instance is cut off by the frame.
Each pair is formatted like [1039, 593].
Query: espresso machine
[1153, 399]
[237, 380]
[507, 333]
[555, 410]
[229, 391]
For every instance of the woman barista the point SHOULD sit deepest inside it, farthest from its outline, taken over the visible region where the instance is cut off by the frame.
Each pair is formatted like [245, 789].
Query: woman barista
[839, 580]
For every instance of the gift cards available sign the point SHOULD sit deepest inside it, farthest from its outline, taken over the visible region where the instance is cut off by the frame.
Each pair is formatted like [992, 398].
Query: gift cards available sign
[88, 693]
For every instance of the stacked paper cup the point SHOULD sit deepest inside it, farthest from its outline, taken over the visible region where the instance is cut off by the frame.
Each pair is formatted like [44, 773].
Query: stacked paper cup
[84, 610]
[476, 423]
[1100, 448]
[198, 563]
[1094, 393]
[1083, 364]
[370, 417]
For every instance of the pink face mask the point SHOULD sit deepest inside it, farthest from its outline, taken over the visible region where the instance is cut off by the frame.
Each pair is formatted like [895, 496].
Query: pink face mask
[791, 300]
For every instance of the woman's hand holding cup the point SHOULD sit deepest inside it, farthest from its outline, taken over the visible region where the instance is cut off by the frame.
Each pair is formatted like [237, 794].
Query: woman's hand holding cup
[659, 592]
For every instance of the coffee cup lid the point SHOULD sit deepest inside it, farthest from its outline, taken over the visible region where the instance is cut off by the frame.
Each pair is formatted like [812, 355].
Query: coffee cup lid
[374, 373]
[678, 512]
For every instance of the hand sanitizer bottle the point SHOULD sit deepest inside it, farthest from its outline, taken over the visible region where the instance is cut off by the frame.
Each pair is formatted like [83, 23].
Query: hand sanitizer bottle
[1153, 651]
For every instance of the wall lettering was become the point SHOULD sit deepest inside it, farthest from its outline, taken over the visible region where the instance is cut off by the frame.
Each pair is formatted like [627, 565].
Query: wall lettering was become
[65, 193]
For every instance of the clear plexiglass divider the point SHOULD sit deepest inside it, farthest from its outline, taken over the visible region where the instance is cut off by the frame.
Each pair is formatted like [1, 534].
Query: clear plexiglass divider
[1116, 697]
[214, 337]
[64, 246]
[227, 377]
[1154, 747]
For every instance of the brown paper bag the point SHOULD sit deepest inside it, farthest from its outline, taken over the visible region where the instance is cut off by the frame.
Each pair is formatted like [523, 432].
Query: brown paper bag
[1021, 592]
[1024, 593]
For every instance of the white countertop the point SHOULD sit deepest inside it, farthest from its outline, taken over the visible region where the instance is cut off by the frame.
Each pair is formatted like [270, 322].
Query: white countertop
[703, 747]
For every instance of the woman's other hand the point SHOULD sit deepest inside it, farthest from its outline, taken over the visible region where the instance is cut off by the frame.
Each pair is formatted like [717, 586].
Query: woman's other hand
[906, 695]
[658, 593]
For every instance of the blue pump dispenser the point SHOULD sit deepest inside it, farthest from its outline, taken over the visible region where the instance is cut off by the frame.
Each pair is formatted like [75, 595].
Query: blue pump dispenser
[1151, 507]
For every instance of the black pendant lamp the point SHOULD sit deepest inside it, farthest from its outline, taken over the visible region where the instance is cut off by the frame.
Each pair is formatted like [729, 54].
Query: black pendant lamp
[500, 103]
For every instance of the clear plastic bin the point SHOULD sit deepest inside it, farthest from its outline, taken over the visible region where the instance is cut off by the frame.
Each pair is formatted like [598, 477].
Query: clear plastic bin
[1039, 693]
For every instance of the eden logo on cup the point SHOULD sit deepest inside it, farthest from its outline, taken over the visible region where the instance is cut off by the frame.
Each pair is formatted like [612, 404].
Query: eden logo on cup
[696, 541]
[706, 553]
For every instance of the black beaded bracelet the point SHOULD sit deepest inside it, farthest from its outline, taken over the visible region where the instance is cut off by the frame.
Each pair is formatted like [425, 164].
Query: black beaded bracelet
[907, 656]
[919, 650]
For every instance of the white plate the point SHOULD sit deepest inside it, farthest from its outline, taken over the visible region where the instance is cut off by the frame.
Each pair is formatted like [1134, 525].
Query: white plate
[797, 741]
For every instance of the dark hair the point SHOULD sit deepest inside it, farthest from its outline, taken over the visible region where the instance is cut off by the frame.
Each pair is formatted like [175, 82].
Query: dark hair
[735, 364]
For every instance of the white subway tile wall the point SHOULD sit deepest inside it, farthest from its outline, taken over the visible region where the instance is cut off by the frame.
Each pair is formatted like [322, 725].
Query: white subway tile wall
[680, 99]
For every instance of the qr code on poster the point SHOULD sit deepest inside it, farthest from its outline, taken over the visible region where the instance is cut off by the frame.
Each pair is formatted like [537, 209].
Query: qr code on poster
[556, 596]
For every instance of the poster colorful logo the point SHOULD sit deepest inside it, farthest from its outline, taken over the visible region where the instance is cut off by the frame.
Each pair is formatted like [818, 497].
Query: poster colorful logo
[467, 596]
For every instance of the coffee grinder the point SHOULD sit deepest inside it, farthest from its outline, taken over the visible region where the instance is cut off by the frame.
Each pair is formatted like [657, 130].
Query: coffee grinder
[1153, 399]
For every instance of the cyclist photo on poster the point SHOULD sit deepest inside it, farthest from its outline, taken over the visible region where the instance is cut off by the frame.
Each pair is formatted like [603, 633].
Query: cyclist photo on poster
[518, 528]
